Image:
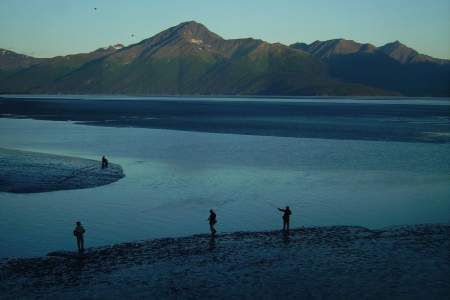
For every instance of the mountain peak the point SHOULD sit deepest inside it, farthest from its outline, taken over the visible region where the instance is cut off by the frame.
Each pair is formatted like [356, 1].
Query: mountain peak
[12, 60]
[6, 52]
[404, 54]
[192, 30]
[399, 52]
[191, 25]
[327, 49]
[395, 45]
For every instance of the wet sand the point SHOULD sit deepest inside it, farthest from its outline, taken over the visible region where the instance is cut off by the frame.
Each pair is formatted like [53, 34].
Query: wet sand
[408, 262]
[32, 172]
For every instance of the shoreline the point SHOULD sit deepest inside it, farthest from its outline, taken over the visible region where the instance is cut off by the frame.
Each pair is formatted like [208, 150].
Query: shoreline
[336, 262]
[220, 96]
[36, 172]
[333, 120]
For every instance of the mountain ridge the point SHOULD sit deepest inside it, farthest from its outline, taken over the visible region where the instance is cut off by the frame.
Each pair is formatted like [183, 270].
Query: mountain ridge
[393, 66]
[189, 59]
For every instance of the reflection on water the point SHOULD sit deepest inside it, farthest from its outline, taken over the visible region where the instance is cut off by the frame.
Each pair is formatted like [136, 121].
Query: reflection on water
[173, 178]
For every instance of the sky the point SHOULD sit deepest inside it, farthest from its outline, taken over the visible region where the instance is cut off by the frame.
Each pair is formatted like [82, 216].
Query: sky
[46, 28]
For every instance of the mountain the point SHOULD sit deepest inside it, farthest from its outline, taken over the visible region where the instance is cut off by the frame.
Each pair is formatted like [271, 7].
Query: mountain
[188, 59]
[11, 62]
[392, 67]
[334, 47]
[39, 74]
[404, 54]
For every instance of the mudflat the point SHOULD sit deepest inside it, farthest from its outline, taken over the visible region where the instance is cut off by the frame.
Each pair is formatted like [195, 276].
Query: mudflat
[339, 262]
[33, 172]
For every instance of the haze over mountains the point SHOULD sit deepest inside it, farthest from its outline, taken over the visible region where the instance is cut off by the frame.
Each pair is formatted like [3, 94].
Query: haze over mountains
[188, 59]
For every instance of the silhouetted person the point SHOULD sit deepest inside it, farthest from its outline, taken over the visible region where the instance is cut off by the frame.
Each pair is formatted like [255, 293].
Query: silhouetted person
[212, 221]
[104, 162]
[79, 232]
[286, 215]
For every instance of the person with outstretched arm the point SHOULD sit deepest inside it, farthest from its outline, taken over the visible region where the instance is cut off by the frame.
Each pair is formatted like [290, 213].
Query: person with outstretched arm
[79, 234]
[286, 215]
[212, 221]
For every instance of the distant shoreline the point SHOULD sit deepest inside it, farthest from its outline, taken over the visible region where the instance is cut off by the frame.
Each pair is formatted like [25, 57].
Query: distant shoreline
[206, 97]
[33, 172]
[330, 118]
[344, 262]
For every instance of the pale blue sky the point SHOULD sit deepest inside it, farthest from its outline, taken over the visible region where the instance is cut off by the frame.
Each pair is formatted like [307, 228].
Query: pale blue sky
[45, 28]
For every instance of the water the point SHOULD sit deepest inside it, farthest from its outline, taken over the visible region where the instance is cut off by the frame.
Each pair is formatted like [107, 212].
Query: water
[174, 177]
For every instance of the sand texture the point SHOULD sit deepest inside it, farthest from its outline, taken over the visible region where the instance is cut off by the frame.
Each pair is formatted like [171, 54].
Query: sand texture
[409, 262]
[32, 172]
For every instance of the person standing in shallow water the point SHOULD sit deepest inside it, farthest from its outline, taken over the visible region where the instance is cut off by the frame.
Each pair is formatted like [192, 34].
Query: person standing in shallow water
[104, 162]
[212, 221]
[286, 215]
[79, 234]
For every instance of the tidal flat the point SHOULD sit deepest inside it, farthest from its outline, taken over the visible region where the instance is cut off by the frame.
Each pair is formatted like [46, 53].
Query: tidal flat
[338, 262]
[33, 172]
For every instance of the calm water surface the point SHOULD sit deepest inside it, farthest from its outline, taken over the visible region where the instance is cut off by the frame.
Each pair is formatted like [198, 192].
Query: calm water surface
[174, 177]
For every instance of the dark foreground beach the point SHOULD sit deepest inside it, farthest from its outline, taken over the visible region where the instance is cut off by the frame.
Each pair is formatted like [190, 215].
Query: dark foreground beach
[410, 262]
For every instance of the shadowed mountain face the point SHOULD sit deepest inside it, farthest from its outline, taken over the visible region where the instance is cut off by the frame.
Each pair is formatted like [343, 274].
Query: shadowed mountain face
[37, 75]
[190, 59]
[392, 67]
[11, 62]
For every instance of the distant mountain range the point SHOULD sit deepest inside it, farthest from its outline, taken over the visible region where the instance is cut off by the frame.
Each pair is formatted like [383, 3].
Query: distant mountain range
[188, 59]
